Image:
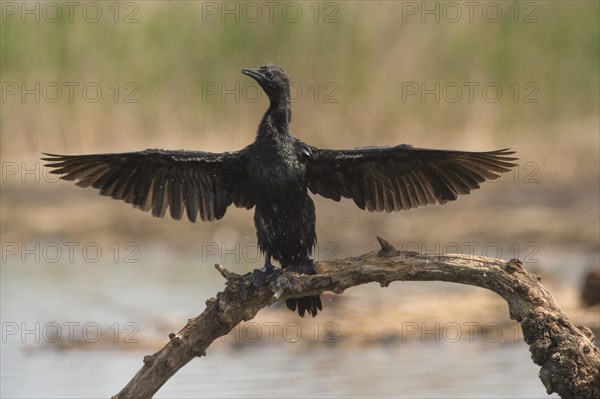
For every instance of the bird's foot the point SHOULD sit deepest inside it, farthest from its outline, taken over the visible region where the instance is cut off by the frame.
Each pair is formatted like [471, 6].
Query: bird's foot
[264, 275]
[306, 266]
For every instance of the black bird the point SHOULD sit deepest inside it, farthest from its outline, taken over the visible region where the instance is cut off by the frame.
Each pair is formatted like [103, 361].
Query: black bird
[274, 175]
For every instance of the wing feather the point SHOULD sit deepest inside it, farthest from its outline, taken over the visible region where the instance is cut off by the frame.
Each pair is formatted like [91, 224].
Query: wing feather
[402, 177]
[156, 180]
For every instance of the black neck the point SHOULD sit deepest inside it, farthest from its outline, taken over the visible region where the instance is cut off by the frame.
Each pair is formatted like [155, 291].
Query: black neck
[275, 121]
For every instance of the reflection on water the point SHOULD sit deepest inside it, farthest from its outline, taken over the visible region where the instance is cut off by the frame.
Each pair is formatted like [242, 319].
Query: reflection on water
[148, 294]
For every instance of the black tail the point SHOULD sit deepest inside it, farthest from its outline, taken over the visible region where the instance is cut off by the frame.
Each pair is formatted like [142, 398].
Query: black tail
[307, 303]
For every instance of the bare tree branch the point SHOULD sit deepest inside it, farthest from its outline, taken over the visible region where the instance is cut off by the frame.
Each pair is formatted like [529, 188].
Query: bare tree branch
[569, 359]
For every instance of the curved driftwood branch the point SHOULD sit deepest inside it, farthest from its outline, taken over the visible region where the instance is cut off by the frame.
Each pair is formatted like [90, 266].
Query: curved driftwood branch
[569, 359]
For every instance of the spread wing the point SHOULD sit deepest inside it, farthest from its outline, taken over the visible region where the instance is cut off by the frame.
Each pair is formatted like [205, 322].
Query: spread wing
[199, 182]
[401, 177]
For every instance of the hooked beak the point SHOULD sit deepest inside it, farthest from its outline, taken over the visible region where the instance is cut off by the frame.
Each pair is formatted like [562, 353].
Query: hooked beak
[254, 74]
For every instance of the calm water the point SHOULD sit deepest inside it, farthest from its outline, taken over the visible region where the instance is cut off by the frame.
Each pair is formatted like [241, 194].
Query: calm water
[439, 370]
[39, 298]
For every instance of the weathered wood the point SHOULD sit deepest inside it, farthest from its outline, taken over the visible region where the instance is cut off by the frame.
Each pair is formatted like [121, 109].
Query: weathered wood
[569, 359]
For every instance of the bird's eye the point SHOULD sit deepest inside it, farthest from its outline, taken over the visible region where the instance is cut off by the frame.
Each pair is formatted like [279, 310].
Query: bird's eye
[268, 75]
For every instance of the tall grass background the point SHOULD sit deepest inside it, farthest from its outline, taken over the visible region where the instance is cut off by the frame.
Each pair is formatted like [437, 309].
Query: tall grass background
[368, 52]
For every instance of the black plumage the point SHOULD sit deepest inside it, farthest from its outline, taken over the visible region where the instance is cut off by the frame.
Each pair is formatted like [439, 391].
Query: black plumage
[274, 175]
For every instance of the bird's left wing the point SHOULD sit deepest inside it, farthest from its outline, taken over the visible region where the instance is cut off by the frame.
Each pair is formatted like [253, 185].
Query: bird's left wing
[401, 177]
[199, 182]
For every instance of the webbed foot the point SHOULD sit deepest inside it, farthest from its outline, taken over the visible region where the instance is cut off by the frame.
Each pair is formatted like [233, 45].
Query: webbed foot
[306, 266]
[265, 274]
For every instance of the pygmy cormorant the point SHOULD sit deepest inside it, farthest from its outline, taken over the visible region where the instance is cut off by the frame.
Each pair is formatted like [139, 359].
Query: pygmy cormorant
[274, 174]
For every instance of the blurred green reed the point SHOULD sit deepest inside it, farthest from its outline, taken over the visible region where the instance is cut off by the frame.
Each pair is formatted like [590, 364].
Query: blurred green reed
[369, 51]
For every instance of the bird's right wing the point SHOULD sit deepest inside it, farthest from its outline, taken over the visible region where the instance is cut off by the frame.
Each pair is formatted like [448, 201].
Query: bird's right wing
[401, 177]
[199, 182]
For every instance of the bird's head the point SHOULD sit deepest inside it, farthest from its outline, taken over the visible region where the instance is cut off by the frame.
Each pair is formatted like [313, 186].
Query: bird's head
[274, 82]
